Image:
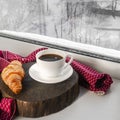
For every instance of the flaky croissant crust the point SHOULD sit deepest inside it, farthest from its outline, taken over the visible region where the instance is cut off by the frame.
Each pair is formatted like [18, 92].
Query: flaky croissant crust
[12, 75]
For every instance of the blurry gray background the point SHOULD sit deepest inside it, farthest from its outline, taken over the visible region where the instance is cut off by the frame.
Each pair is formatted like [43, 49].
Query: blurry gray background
[95, 22]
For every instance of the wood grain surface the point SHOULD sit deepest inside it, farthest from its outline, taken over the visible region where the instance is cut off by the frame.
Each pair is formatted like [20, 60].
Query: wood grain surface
[38, 99]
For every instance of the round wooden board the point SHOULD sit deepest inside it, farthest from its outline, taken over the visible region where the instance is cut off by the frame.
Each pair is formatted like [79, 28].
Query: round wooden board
[40, 99]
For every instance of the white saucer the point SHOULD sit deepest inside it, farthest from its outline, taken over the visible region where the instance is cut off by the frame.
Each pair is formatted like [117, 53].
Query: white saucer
[34, 73]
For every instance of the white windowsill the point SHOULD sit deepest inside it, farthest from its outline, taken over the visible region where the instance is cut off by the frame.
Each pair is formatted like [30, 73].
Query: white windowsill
[88, 106]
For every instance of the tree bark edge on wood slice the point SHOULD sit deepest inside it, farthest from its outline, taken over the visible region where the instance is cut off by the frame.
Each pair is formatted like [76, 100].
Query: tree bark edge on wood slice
[34, 106]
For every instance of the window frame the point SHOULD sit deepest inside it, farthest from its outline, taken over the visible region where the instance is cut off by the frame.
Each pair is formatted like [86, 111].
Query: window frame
[51, 45]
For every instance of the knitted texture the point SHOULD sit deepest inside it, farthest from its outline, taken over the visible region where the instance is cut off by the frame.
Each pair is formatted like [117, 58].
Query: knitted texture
[90, 78]
[7, 108]
[9, 56]
[3, 63]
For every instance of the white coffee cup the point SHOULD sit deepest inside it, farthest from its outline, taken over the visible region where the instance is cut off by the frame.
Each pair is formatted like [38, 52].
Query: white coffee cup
[52, 68]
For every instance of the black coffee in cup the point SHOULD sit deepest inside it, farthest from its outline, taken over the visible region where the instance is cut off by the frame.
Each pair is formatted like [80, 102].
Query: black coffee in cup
[50, 57]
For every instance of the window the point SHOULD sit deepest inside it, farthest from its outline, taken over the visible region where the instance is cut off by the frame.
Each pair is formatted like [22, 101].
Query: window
[90, 27]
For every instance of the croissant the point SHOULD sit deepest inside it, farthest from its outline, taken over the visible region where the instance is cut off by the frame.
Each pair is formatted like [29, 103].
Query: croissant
[12, 75]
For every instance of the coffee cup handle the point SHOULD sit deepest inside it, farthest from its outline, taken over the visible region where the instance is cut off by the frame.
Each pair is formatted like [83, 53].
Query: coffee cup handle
[69, 62]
